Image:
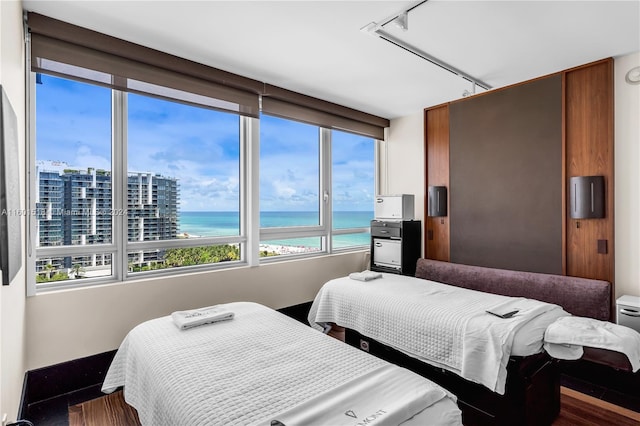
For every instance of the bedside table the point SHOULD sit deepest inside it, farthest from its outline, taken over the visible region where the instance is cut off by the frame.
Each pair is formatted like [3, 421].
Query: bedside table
[628, 312]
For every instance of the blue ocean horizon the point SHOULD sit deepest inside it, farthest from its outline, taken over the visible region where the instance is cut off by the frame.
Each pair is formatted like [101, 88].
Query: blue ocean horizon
[222, 224]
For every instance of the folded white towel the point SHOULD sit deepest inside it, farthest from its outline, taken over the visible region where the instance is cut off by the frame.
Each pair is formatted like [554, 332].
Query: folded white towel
[195, 317]
[365, 275]
[565, 338]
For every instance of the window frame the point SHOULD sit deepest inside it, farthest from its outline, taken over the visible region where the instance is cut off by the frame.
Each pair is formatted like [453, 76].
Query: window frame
[120, 246]
[323, 229]
[129, 246]
[376, 190]
[251, 234]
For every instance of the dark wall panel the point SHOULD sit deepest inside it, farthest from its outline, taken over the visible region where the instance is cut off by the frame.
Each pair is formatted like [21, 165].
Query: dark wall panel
[506, 178]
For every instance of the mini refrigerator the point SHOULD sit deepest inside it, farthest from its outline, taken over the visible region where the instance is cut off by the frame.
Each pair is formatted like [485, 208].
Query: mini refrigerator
[387, 253]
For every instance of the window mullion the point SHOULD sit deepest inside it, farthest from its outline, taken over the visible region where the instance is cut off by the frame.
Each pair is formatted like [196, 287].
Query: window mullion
[31, 220]
[325, 187]
[119, 166]
[249, 188]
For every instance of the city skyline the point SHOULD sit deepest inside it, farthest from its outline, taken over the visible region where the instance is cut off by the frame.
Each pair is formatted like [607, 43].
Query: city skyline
[59, 166]
[74, 207]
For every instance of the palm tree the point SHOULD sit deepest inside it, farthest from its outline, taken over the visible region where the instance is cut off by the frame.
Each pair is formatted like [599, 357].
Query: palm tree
[77, 269]
[50, 268]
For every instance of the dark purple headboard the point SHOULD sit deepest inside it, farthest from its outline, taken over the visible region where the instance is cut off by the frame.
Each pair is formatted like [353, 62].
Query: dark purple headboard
[578, 296]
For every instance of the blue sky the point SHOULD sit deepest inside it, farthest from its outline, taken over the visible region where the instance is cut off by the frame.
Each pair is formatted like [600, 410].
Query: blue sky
[200, 147]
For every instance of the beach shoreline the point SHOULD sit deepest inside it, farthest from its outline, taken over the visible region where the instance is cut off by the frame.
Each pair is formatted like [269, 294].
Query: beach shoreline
[270, 248]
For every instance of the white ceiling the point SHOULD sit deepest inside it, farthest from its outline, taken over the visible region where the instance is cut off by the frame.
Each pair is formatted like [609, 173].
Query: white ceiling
[317, 47]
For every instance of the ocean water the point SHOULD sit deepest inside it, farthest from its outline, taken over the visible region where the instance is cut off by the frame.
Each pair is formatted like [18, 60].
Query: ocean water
[222, 224]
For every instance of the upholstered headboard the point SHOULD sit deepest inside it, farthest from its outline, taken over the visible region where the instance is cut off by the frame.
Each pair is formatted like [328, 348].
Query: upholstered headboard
[578, 296]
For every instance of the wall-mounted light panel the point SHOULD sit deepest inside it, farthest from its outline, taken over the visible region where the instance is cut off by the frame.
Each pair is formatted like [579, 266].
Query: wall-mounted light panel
[437, 201]
[587, 197]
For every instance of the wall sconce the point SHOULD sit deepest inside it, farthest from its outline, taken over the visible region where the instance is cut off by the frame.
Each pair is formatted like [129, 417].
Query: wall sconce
[437, 201]
[587, 197]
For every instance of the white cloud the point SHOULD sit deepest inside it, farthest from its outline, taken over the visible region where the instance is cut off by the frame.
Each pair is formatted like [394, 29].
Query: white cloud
[86, 158]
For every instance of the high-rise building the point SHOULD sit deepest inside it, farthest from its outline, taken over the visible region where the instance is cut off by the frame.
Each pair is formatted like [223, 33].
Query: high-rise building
[50, 194]
[74, 207]
[152, 204]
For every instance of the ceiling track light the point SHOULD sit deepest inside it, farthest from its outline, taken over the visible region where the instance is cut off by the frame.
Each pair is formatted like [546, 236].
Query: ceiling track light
[401, 20]
[468, 93]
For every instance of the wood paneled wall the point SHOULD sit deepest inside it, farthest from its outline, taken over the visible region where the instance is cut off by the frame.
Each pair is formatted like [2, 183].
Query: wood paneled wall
[587, 146]
[437, 172]
[589, 152]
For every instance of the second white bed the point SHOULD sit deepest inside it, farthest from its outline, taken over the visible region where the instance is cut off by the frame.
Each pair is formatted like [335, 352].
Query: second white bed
[263, 367]
[443, 325]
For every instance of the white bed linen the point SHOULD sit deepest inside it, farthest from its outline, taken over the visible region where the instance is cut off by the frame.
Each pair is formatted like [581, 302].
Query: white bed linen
[443, 325]
[566, 338]
[529, 338]
[250, 370]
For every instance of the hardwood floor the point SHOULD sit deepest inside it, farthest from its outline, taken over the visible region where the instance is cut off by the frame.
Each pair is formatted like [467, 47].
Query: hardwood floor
[109, 410]
[577, 409]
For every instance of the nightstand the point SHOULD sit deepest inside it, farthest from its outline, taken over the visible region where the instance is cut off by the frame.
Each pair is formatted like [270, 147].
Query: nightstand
[628, 312]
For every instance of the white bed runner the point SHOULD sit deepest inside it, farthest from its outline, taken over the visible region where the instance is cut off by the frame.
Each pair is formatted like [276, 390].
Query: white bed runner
[443, 325]
[358, 401]
[248, 370]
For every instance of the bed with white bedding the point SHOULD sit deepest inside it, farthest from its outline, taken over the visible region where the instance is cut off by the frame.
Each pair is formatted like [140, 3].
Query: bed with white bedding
[532, 390]
[445, 326]
[262, 367]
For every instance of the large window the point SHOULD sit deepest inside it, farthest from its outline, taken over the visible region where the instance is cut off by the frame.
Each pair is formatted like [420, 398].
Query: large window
[73, 196]
[316, 188]
[183, 182]
[289, 173]
[147, 166]
[289, 187]
[180, 185]
[353, 177]
[180, 189]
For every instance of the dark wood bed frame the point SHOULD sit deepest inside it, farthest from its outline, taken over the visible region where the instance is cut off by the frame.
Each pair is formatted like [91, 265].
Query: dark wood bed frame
[532, 393]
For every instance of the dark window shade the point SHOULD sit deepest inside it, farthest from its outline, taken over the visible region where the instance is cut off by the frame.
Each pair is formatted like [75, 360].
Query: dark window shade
[53, 28]
[295, 98]
[58, 41]
[65, 59]
[291, 111]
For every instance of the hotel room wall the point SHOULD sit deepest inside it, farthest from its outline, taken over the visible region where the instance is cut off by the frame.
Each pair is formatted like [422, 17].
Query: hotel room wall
[627, 178]
[12, 297]
[66, 325]
[403, 164]
[582, 136]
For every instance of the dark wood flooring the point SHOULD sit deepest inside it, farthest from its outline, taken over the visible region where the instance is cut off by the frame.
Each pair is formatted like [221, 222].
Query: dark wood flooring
[577, 409]
[109, 410]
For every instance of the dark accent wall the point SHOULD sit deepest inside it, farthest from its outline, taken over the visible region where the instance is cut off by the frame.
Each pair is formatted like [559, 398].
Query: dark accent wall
[501, 152]
[506, 178]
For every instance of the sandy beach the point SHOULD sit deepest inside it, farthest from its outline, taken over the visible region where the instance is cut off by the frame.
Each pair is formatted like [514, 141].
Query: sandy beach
[274, 248]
